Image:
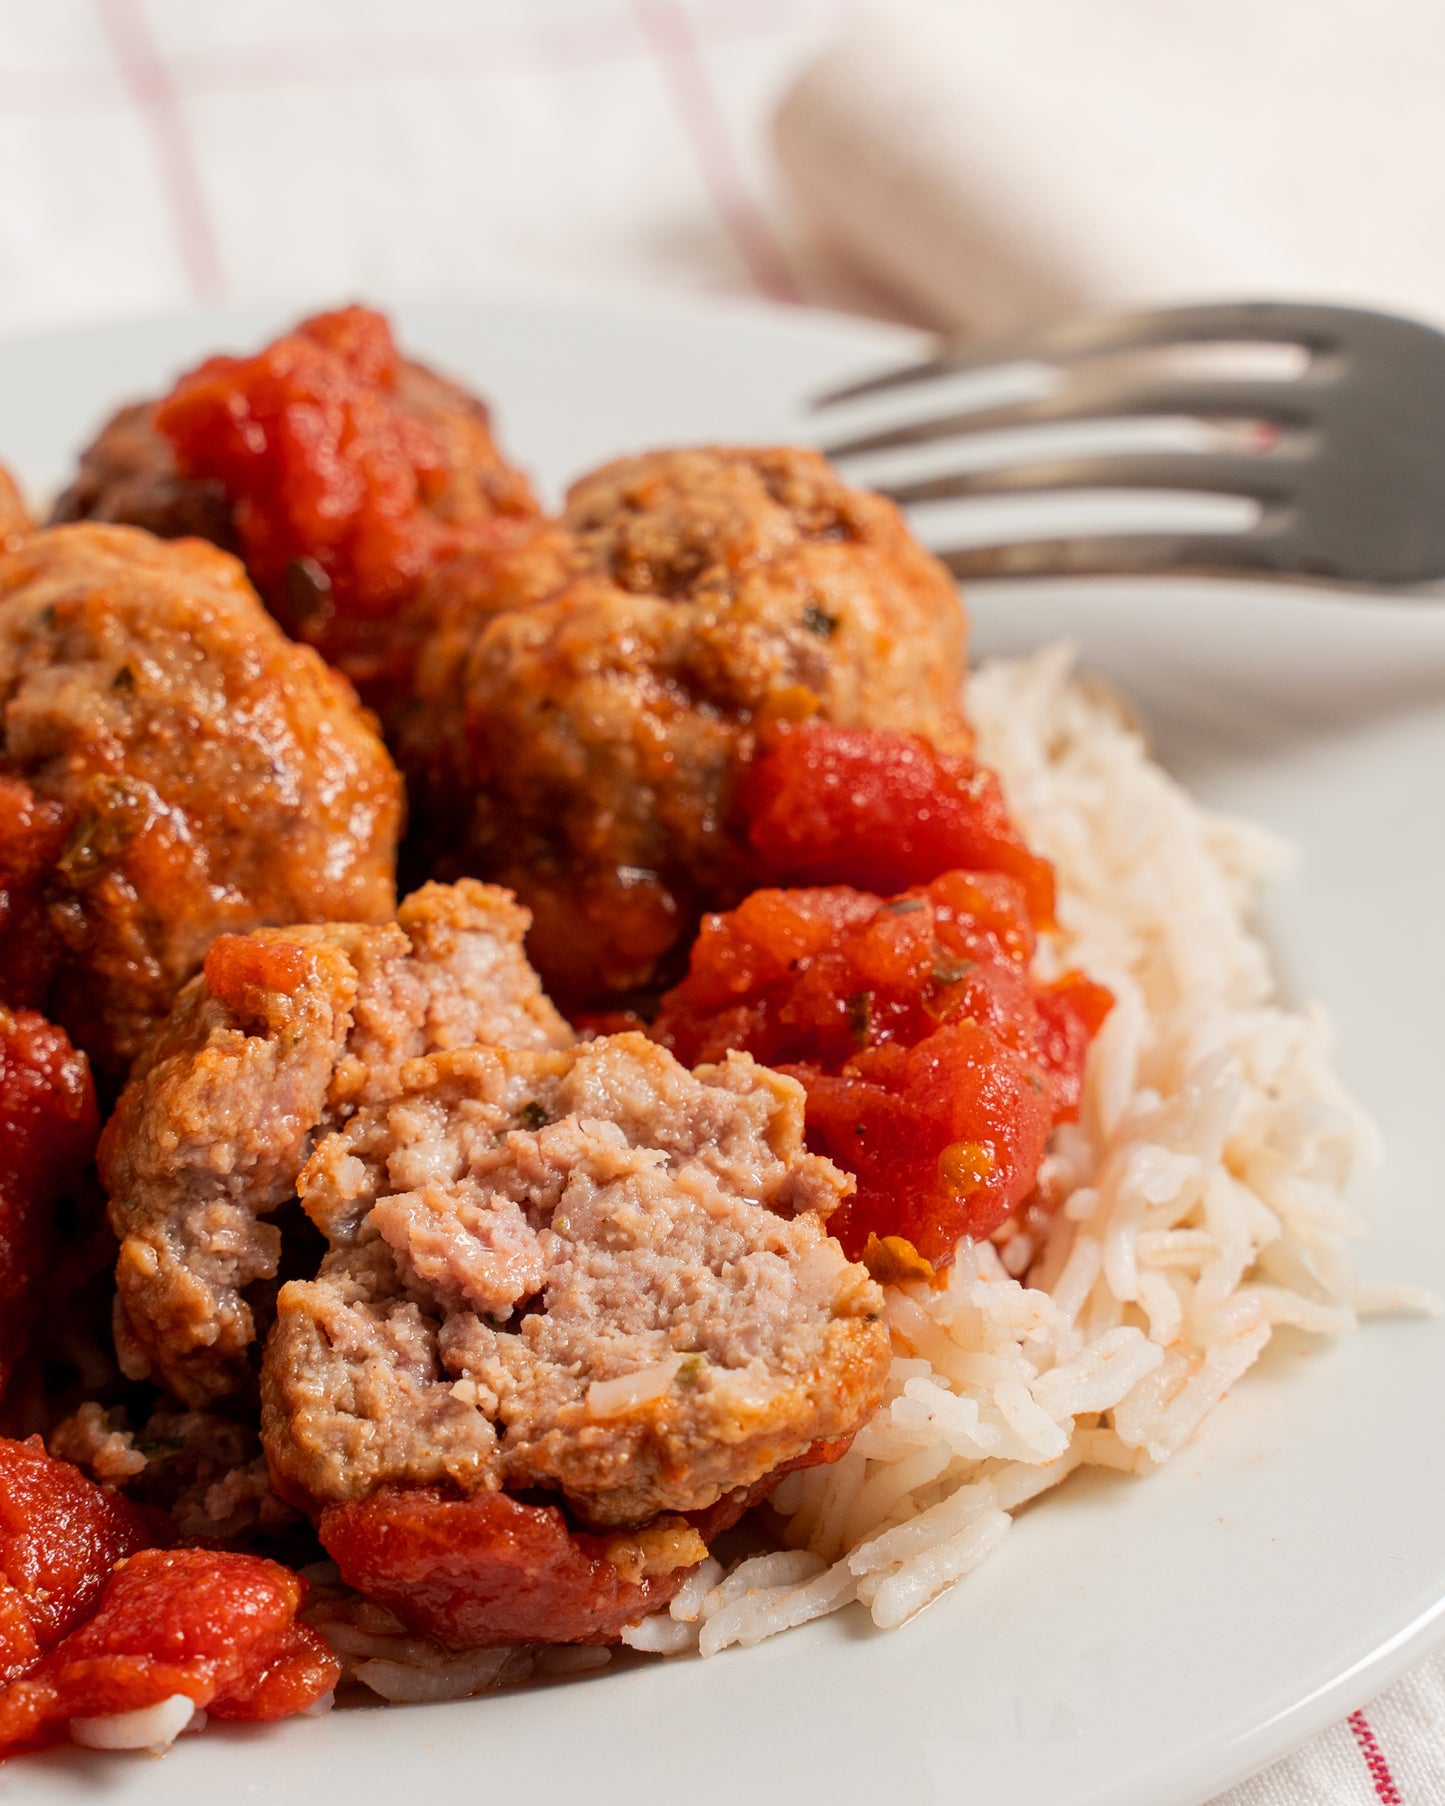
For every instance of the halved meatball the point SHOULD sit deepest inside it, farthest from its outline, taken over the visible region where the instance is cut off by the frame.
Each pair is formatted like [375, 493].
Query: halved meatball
[588, 1272]
[285, 1034]
[172, 768]
[597, 720]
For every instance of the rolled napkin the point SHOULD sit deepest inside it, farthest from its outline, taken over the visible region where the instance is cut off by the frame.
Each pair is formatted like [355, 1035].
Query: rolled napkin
[994, 165]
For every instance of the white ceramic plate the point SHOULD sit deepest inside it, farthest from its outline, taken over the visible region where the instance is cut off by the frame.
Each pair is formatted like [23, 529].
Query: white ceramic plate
[1140, 1643]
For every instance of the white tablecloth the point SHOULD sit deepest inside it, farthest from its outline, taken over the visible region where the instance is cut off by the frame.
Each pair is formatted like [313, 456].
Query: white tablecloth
[158, 153]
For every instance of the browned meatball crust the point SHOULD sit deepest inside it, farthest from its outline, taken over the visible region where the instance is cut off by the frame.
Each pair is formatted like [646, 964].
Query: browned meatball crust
[600, 718]
[199, 773]
[128, 477]
[286, 1033]
[588, 1272]
[14, 515]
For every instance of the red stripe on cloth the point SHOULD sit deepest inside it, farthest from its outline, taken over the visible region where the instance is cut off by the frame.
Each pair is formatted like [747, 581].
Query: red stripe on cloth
[671, 36]
[158, 102]
[1374, 1758]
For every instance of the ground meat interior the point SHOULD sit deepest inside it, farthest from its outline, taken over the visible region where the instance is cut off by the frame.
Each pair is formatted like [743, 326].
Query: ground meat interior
[589, 1272]
[284, 1034]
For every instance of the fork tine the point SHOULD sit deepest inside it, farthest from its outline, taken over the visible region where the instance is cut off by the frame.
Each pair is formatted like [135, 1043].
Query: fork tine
[1262, 475]
[1122, 555]
[1316, 327]
[1126, 553]
[1285, 403]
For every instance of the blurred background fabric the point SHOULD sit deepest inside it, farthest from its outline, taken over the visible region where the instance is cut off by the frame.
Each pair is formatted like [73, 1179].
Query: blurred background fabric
[162, 153]
[943, 162]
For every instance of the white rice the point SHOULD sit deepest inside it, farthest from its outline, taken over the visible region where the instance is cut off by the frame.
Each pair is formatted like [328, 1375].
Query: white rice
[1199, 1201]
[150, 1728]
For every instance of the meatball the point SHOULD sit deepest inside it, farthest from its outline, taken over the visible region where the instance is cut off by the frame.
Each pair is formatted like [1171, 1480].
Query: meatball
[128, 477]
[587, 1272]
[340, 471]
[14, 515]
[688, 600]
[286, 1033]
[171, 768]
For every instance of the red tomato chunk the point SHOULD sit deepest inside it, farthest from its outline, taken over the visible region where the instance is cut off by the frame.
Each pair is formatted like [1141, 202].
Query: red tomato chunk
[48, 1127]
[935, 1067]
[60, 1536]
[219, 1628]
[883, 811]
[322, 465]
[489, 1569]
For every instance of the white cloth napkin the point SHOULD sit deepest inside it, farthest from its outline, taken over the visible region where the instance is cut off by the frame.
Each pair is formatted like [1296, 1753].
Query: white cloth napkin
[999, 163]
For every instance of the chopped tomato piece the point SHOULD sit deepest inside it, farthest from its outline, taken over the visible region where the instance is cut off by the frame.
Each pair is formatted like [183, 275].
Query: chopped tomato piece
[320, 465]
[48, 1129]
[60, 1536]
[219, 1628]
[882, 811]
[490, 1569]
[935, 1066]
[341, 483]
[1072, 1011]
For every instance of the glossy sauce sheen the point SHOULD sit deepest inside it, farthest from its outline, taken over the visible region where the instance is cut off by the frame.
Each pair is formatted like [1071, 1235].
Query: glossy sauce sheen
[60, 1536]
[219, 1628]
[935, 1065]
[48, 1127]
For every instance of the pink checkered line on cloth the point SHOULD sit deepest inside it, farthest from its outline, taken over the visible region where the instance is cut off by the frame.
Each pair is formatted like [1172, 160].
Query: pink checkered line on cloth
[628, 142]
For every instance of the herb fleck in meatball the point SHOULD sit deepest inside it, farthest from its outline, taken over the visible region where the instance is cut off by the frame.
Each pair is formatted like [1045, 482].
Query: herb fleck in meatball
[171, 768]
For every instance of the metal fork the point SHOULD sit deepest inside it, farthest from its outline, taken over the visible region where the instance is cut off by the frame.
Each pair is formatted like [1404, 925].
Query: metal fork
[1347, 460]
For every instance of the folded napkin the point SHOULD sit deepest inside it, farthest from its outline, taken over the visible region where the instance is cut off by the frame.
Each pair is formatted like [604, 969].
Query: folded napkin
[995, 165]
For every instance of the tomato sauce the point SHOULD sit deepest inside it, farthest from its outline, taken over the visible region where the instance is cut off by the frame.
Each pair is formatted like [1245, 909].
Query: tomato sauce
[490, 1569]
[219, 1628]
[882, 811]
[935, 1065]
[324, 469]
[351, 476]
[48, 1128]
[60, 1536]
